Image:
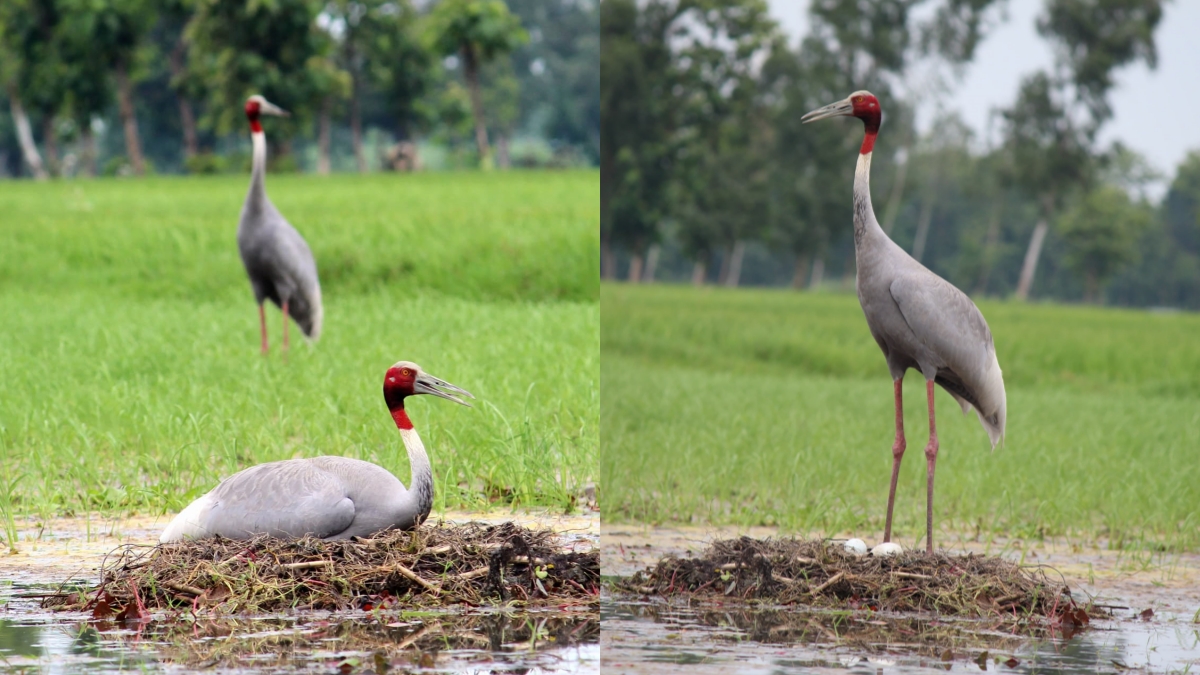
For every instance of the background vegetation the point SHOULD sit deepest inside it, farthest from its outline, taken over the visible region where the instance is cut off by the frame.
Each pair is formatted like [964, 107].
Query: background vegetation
[129, 351]
[141, 86]
[707, 174]
[762, 407]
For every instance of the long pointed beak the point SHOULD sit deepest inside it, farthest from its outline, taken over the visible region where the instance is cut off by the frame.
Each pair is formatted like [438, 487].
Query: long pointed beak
[268, 108]
[841, 108]
[428, 384]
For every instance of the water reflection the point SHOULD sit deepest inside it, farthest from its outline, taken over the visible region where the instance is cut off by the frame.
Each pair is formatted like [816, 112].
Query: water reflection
[709, 638]
[32, 641]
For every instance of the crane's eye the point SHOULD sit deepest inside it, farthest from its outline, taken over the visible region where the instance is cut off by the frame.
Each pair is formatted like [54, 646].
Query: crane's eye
[405, 372]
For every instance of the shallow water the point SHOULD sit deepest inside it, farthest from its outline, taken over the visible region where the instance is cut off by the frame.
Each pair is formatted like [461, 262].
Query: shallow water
[35, 641]
[658, 637]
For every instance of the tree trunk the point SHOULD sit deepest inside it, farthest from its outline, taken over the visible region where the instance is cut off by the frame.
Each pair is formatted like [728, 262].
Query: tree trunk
[323, 133]
[471, 72]
[50, 140]
[895, 197]
[502, 158]
[923, 220]
[133, 147]
[187, 117]
[989, 247]
[89, 150]
[735, 263]
[699, 273]
[651, 263]
[801, 271]
[635, 268]
[723, 269]
[1091, 288]
[33, 159]
[360, 157]
[818, 274]
[608, 260]
[1031, 259]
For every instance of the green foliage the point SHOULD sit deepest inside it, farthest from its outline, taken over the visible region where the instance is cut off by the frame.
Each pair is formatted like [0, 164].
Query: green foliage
[383, 45]
[484, 27]
[1098, 37]
[132, 375]
[205, 163]
[1101, 234]
[557, 72]
[1049, 153]
[273, 48]
[775, 408]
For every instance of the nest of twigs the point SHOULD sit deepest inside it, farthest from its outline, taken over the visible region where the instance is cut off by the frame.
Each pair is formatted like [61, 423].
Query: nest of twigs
[822, 574]
[471, 564]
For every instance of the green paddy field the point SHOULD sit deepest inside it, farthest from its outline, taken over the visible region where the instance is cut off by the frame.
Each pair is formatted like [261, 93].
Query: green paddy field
[130, 376]
[775, 407]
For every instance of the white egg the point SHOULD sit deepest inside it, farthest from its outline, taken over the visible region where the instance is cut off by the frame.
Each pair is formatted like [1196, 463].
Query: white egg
[886, 549]
[856, 546]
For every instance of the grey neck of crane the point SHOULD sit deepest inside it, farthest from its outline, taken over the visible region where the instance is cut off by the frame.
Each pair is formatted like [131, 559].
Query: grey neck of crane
[258, 169]
[421, 483]
[865, 224]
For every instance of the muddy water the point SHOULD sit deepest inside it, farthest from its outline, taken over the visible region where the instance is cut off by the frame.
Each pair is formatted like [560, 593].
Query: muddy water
[641, 635]
[479, 641]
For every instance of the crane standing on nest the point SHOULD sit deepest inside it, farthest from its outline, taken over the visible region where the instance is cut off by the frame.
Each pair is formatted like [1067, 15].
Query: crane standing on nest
[326, 497]
[918, 319]
[277, 259]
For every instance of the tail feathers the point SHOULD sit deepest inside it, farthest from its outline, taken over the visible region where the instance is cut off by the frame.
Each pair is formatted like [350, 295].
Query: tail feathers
[994, 426]
[308, 313]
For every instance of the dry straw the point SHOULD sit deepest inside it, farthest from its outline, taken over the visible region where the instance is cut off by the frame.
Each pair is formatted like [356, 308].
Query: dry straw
[822, 574]
[471, 564]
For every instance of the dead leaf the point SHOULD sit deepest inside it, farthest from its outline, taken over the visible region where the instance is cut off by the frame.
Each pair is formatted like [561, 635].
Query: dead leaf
[1012, 662]
[130, 613]
[103, 609]
[1147, 614]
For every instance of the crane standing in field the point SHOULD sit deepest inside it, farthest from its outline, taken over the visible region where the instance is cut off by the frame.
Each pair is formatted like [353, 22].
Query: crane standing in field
[918, 319]
[277, 259]
[327, 497]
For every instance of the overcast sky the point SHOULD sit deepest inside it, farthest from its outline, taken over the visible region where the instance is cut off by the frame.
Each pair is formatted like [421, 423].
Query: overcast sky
[1152, 108]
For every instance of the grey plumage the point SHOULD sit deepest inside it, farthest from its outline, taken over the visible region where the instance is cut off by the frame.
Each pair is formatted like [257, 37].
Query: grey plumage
[326, 497]
[922, 321]
[278, 261]
[918, 319]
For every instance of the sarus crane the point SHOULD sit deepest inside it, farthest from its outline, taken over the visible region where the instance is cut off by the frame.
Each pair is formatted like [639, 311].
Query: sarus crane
[277, 259]
[919, 320]
[326, 497]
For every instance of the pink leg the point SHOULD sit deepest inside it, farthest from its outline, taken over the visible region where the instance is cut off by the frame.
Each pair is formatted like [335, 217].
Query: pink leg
[931, 451]
[262, 323]
[897, 454]
[285, 325]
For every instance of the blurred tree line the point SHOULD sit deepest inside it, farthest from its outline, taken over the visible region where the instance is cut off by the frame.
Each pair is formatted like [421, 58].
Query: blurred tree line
[708, 175]
[130, 86]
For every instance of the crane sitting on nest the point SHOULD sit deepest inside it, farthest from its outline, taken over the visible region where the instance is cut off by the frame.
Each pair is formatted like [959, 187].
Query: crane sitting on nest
[277, 259]
[326, 497]
[920, 320]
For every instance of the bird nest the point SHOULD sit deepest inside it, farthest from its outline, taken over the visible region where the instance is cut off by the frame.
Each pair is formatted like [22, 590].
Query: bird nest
[470, 564]
[820, 574]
